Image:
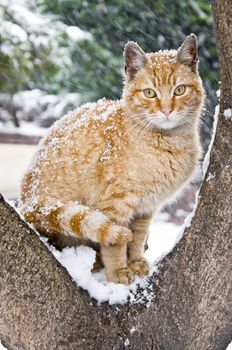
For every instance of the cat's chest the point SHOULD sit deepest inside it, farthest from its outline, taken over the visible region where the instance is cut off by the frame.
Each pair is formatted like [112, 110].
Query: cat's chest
[159, 174]
[153, 166]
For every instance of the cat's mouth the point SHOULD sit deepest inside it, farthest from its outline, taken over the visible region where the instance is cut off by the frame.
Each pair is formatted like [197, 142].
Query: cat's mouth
[164, 122]
[159, 121]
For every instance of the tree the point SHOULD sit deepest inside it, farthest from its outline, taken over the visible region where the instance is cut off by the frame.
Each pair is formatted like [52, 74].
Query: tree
[35, 53]
[147, 22]
[42, 309]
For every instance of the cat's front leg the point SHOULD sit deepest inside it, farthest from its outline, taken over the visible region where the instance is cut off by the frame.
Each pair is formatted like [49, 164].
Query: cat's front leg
[115, 261]
[136, 261]
[119, 203]
[119, 207]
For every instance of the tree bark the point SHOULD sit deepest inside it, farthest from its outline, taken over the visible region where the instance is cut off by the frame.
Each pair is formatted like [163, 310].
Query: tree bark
[42, 309]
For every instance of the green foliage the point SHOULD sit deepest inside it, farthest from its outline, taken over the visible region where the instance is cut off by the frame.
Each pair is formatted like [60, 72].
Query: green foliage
[154, 25]
[96, 72]
[40, 50]
[33, 50]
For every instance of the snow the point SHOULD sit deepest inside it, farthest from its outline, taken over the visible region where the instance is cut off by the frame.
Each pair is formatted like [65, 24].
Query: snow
[34, 21]
[14, 30]
[210, 177]
[132, 330]
[188, 219]
[38, 107]
[2, 347]
[228, 113]
[28, 129]
[14, 159]
[218, 93]
[126, 342]
[163, 237]
[207, 156]
[95, 283]
[77, 34]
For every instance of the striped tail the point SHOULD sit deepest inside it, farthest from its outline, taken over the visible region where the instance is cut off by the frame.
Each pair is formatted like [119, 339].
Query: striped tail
[80, 221]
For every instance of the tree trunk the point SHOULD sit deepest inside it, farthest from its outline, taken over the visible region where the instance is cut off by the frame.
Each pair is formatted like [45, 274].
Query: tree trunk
[42, 309]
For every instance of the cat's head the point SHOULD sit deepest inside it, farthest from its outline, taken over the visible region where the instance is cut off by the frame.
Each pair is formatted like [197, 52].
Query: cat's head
[163, 89]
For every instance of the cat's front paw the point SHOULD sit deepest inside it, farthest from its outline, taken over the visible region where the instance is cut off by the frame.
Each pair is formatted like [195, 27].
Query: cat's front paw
[123, 275]
[140, 267]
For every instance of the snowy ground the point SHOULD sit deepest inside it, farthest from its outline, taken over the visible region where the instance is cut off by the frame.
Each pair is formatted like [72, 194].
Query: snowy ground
[14, 160]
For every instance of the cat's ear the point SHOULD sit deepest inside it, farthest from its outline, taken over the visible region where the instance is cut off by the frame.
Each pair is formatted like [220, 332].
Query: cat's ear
[135, 58]
[187, 54]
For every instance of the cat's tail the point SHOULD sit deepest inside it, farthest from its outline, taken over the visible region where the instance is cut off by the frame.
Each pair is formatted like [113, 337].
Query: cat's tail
[80, 221]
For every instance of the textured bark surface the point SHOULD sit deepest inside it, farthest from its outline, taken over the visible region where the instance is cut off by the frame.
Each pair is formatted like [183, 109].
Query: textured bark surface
[42, 309]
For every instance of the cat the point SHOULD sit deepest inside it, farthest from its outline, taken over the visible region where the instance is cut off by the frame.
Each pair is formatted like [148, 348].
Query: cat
[104, 170]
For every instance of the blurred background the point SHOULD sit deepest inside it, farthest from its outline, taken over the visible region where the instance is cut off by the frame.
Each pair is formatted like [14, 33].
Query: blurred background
[57, 54]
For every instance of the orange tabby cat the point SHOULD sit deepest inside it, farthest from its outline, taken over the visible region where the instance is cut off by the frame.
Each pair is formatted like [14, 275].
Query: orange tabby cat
[104, 169]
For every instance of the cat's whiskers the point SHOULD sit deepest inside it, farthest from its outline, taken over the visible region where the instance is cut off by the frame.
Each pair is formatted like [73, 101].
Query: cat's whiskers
[141, 126]
[145, 132]
[142, 131]
[138, 128]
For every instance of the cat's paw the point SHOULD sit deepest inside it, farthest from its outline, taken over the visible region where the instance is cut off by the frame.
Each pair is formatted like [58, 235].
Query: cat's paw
[140, 267]
[123, 275]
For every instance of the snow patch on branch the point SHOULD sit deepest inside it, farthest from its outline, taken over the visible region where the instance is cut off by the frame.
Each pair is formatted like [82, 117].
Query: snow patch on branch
[79, 262]
[126, 342]
[206, 162]
[228, 113]
[210, 177]
[207, 156]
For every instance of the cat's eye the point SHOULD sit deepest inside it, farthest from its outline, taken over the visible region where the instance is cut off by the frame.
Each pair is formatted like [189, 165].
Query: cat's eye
[149, 93]
[179, 90]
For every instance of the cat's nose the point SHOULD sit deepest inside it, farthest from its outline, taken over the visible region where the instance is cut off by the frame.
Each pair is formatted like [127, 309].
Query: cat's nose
[166, 111]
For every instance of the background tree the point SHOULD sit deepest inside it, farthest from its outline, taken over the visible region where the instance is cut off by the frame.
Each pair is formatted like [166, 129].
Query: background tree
[42, 309]
[98, 65]
[154, 24]
[51, 61]
[35, 53]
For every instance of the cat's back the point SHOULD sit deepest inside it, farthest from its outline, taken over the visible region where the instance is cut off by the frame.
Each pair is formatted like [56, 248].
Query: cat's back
[81, 142]
[85, 121]
[89, 126]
